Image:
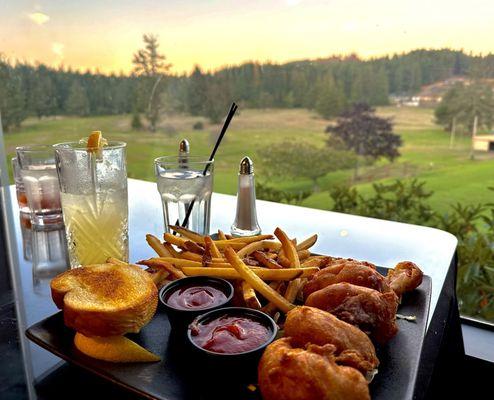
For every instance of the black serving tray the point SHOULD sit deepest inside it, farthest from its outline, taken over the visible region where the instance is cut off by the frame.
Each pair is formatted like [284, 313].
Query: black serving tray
[180, 376]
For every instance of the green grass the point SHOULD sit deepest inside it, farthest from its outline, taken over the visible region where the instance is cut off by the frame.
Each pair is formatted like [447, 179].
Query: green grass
[425, 154]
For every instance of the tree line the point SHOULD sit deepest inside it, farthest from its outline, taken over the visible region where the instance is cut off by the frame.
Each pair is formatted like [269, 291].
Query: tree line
[326, 85]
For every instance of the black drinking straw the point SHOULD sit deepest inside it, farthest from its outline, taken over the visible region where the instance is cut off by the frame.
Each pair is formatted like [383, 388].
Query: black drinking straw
[228, 119]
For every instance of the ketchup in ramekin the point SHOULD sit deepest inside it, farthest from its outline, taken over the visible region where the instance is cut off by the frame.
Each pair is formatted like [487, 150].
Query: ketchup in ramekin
[186, 298]
[231, 332]
[195, 297]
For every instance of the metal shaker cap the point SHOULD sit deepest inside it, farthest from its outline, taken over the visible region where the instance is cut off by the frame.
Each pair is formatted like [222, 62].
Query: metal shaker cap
[246, 166]
[184, 147]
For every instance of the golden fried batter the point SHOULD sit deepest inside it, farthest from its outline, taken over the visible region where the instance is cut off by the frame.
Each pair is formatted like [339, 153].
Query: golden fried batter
[288, 373]
[359, 273]
[405, 277]
[353, 347]
[370, 310]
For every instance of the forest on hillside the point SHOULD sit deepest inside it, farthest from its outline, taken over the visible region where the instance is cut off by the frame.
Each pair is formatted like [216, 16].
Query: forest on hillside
[327, 85]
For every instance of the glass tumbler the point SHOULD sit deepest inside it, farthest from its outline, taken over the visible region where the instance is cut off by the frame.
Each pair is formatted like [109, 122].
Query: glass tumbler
[40, 180]
[93, 189]
[19, 187]
[183, 182]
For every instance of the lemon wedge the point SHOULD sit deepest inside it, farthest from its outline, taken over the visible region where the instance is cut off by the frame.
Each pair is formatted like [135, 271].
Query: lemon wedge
[116, 349]
[96, 141]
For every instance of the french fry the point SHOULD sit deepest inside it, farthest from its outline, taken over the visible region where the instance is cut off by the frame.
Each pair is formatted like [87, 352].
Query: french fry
[158, 275]
[207, 258]
[307, 243]
[280, 287]
[250, 297]
[194, 247]
[271, 256]
[285, 274]
[157, 246]
[188, 233]
[288, 247]
[177, 262]
[174, 253]
[256, 281]
[209, 243]
[290, 252]
[158, 263]
[281, 252]
[251, 239]
[221, 235]
[265, 261]
[250, 248]
[176, 240]
[283, 260]
[196, 257]
[222, 244]
[182, 262]
[188, 255]
[303, 254]
[293, 289]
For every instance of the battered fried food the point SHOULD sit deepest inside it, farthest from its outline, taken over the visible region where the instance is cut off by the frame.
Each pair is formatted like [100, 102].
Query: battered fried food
[372, 311]
[288, 373]
[352, 346]
[405, 277]
[359, 273]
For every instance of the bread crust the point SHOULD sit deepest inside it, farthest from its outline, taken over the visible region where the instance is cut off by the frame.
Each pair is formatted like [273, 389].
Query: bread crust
[105, 299]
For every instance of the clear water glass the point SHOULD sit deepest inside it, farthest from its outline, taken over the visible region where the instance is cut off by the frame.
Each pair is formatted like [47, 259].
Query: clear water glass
[94, 197]
[19, 187]
[40, 181]
[182, 184]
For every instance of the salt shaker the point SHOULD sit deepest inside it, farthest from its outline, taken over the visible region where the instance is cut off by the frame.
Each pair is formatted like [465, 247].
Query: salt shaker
[246, 217]
[183, 153]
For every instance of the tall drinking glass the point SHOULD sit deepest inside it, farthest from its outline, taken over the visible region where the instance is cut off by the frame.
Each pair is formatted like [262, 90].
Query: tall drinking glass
[183, 184]
[40, 180]
[93, 188]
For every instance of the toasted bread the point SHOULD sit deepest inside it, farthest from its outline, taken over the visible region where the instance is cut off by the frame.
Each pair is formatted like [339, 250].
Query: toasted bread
[105, 299]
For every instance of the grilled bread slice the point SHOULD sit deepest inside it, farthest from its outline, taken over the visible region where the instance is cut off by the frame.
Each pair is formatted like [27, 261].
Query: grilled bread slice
[105, 299]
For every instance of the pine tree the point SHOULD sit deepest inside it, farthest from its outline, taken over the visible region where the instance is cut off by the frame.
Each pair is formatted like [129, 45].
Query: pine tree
[330, 100]
[77, 101]
[42, 97]
[150, 65]
[197, 92]
[379, 95]
[12, 99]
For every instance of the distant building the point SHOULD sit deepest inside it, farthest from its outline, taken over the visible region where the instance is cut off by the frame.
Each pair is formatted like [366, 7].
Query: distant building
[407, 101]
[432, 94]
[483, 143]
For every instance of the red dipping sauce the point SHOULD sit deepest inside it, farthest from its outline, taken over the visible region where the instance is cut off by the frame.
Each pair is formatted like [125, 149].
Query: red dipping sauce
[196, 297]
[230, 334]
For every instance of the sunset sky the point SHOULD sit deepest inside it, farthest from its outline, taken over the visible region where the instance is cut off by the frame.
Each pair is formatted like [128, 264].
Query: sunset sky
[103, 34]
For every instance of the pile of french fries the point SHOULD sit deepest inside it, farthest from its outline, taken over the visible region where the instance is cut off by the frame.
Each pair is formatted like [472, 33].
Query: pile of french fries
[275, 269]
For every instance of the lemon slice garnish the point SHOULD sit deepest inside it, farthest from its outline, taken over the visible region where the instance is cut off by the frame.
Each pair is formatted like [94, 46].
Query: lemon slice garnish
[96, 141]
[113, 348]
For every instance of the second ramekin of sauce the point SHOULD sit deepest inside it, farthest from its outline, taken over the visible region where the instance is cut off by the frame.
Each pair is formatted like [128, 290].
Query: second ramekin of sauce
[232, 337]
[186, 298]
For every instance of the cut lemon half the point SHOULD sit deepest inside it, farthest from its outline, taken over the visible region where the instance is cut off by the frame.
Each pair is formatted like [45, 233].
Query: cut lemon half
[96, 141]
[116, 349]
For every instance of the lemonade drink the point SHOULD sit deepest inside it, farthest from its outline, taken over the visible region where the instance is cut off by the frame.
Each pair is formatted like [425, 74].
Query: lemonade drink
[96, 226]
[93, 186]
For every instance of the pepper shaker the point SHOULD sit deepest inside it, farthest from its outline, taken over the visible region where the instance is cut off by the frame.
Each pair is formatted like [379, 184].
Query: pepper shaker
[246, 216]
